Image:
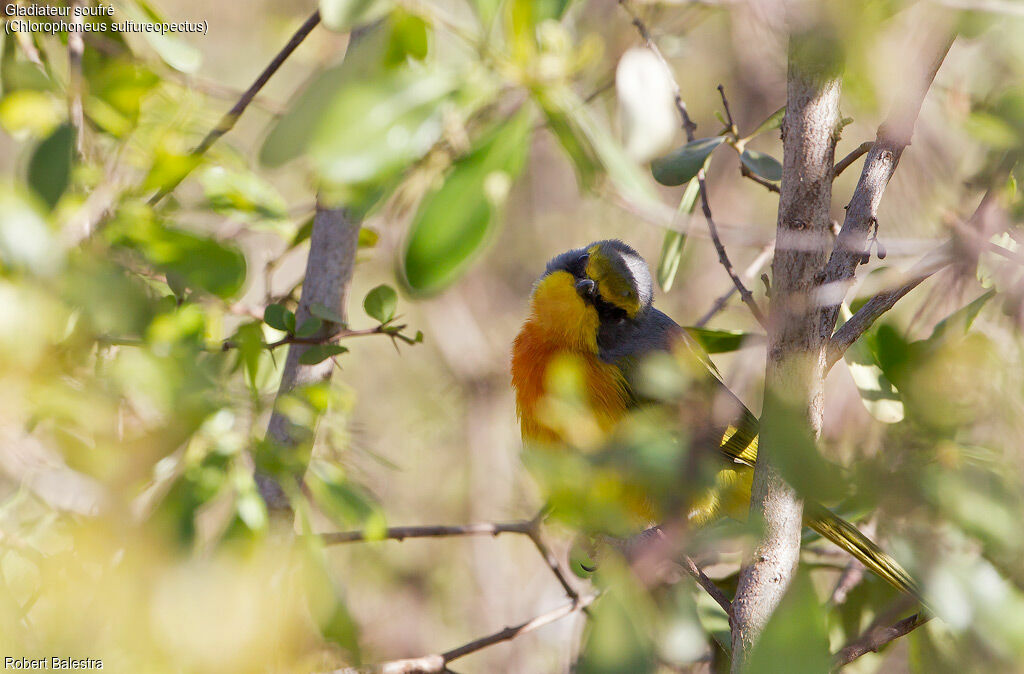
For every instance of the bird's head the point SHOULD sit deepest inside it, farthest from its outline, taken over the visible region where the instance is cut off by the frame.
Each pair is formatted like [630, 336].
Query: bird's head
[582, 290]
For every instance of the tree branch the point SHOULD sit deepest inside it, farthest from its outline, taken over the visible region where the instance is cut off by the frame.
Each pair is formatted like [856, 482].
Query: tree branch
[708, 585]
[227, 122]
[76, 49]
[874, 639]
[329, 269]
[530, 528]
[845, 162]
[432, 531]
[437, 663]
[794, 376]
[861, 214]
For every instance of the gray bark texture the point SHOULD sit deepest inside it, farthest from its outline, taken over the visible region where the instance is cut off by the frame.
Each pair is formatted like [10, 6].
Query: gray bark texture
[332, 257]
[795, 369]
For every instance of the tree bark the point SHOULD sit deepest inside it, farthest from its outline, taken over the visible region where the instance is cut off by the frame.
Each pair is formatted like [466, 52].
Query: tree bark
[332, 257]
[795, 369]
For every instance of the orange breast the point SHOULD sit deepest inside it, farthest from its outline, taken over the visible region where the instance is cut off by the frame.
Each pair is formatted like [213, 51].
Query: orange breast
[535, 349]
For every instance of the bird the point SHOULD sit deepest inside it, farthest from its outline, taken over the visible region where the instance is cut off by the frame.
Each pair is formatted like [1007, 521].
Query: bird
[594, 306]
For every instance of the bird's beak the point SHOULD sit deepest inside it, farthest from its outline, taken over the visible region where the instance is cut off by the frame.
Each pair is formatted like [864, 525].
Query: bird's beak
[586, 289]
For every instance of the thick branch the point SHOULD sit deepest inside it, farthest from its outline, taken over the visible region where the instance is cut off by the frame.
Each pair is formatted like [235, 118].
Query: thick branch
[329, 268]
[874, 639]
[861, 214]
[227, 122]
[794, 374]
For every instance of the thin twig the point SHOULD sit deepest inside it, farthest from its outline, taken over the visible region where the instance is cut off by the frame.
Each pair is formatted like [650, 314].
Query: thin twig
[437, 663]
[708, 585]
[691, 129]
[551, 561]
[874, 639]
[228, 121]
[434, 531]
[749, 273]
[764, 182]
[845, 162]
[529, 528]
[76, 48]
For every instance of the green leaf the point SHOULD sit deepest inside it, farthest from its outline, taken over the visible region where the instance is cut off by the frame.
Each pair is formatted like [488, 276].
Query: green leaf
[290, 136]
[30, 112]
[374, 128]
[367, 237]
[276, 316]
[341, 499]
[173, 50]
[303, 233]
[249, 340]
[320, 352]
[962, 318]
[682, 165]
[203, 262]
[49, 170]
[453, 223]
[723, 341]
[380, 303]
[672, 248]
[879, 395]
[795, 635]
[762, 164]
[242, 193]
[773, 122]
[342, 15]
[326, 313]
[26, 241]
[407, 38]
[309, 327]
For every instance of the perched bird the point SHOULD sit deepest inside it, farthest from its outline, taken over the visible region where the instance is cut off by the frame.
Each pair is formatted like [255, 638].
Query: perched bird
[594, 305]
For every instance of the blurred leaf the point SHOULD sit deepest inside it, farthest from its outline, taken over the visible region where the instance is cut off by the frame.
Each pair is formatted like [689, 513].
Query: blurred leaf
[204, 263]
[723, 341]
[326, 313]
[25, 239]
[621, 626]
[407, 38]
[241, 194]
[683, 164]
[367, 237]
[375, 128]
[49, 170]
[453, 223]
[796, 634]
[773, 122]
[796, 455]
[962, 318]
[380, 303]
[290, 136]
[878, 394]
[169, 168]
[340, 499]
[762, 164]
[343, 15]
[318, 353]
[115, 94]
[672, 248]
[173, 50]
[582, 155]
[646, 94]
[249, 340]
[28, 112]
[303, 233]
